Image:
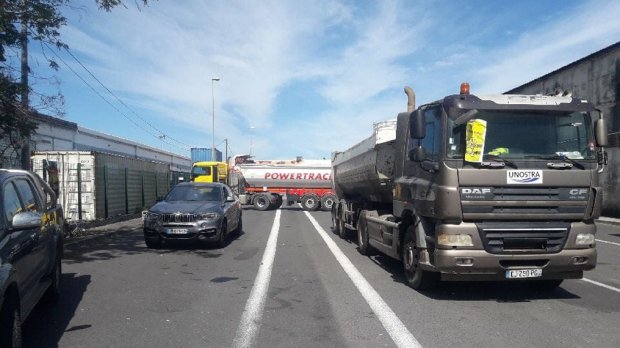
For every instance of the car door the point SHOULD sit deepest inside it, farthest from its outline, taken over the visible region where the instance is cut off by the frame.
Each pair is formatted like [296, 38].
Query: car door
[233, 206]
[20, 245]
[42, 243]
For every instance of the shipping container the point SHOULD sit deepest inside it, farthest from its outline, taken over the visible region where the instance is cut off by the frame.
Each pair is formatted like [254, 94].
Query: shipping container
[95, 185]
[203, 154]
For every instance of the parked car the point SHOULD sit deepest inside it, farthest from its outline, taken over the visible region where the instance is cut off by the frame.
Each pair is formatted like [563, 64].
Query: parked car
[31, 247]
[206, 212]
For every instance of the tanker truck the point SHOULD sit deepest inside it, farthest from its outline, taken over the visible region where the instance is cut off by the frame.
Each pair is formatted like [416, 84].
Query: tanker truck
[267, 184]
[502, 188]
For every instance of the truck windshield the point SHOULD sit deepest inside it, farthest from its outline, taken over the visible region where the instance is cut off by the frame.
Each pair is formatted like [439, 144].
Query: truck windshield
[198, 171]
[528, 134]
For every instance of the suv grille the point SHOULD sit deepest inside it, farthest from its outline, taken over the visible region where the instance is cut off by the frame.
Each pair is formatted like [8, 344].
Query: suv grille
[175, 218]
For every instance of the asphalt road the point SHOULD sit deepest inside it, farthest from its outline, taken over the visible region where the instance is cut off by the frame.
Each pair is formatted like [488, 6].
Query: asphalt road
[317, 291]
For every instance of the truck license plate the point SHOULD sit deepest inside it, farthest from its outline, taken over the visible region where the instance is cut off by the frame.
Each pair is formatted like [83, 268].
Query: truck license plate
[524, 273]
[177, 231]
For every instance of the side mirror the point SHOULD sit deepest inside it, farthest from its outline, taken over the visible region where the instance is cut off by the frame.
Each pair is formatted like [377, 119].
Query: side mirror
[26, 220]
[417, 125]
[601, 133]
[230, 199]
[418, 154]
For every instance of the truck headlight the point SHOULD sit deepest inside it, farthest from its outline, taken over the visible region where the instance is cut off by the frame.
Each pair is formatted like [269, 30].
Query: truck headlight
[460, 240]
[209, 216]
[584, 239]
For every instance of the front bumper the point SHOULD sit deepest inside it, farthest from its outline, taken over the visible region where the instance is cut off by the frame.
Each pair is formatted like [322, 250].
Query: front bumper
[200, 230]
[480, 265]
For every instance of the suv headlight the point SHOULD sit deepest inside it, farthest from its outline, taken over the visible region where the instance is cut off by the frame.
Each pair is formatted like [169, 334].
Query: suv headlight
[209, 216]
[150, 216]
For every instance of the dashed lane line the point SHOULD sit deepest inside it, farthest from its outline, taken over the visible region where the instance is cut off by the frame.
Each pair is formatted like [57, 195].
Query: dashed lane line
[253, 312]
[392, 324]
[609, 287]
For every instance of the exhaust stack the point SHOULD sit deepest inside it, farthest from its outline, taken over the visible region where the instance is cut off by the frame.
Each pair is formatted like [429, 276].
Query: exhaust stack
[410, 99]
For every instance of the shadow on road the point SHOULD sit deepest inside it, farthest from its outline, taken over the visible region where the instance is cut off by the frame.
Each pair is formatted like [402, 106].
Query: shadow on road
[500, 292]
[131, 242]
[48, 322]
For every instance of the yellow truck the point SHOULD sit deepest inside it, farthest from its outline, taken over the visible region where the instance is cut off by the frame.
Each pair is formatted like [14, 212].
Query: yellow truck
[209, 172]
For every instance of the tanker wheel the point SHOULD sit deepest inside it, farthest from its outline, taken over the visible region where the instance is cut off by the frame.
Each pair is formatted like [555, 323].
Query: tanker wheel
[278, 203]
[415, 276]
[262, 202]
[310, 202]
[327, 202]
[335, 219]
[362, 236]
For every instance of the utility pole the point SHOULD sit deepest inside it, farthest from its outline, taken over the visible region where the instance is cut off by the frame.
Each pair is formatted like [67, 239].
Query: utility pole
[25, 101]
[226, 150]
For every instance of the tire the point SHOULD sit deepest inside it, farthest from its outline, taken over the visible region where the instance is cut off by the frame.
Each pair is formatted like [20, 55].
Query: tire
[52, 294]
[546, 285]
[310, 202]
[415, 277]
[221, 241]
[362, 236]
[239, 228]
[279, 201]
[343, 232]
[152, 242]
[335, 219]
[262, 202]
[327, 202]
[10, 324]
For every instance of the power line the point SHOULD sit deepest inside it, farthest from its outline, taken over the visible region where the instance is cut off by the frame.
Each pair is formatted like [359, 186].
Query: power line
[109, 102]
[120, 101]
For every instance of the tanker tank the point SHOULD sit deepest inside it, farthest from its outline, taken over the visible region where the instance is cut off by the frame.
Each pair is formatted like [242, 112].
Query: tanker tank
[366, 170]
[317, 175]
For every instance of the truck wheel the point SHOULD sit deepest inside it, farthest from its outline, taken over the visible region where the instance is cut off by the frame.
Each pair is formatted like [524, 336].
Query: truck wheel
[362, 236]
[278, 203]
[11, 323]
[415, 277]
[262, 202]
[327, 202]
[343, 232]
[310, 202]
[53, 292]
[335, 219]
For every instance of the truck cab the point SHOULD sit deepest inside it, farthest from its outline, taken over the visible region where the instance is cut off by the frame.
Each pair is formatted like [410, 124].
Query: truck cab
[502, 187]
[209, 171]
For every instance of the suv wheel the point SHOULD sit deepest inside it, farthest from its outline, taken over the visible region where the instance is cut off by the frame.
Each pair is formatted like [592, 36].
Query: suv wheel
[53, 292]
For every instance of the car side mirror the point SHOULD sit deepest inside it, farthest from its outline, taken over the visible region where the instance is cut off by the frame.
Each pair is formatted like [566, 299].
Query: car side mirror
[417, 125]
[417, 154]
[230, 199]
[26, 220]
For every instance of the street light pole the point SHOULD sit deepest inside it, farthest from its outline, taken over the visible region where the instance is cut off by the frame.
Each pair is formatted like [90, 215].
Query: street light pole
[213, 118]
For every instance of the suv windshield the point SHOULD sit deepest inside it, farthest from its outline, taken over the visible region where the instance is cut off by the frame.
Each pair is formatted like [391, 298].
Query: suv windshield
[528, 134]
[195, 193]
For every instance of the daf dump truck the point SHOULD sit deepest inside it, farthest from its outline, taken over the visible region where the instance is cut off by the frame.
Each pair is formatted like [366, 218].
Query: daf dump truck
[267, 184]
[469, 187]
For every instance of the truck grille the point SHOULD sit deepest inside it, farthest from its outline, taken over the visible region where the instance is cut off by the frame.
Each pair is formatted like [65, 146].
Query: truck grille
[541, 239]
[178, 218]
[541, 203]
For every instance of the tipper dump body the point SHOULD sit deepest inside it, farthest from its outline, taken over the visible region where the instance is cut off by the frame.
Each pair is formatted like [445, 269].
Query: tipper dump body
[366, 170]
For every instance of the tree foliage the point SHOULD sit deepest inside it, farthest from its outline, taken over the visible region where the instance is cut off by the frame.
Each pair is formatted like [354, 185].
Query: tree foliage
[44, 20]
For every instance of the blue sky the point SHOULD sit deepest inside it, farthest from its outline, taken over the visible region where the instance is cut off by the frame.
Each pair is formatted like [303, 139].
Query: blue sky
[303, 77]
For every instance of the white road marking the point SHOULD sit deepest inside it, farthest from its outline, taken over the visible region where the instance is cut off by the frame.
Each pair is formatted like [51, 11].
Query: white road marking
[606, 242]
[601, 285]
[392, 324]
[253, 312]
